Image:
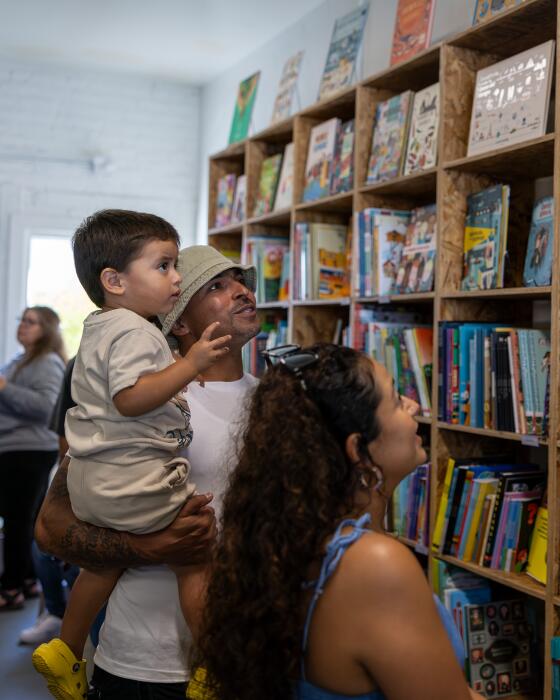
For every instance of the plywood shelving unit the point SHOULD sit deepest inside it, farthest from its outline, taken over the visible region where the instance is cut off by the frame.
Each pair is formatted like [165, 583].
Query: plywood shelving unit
[454, 64]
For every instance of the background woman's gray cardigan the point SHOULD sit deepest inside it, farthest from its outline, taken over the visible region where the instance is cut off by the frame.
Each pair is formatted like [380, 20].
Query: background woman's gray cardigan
[27, 402]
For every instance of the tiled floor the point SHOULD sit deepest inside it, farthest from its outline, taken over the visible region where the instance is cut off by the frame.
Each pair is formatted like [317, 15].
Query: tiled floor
[18, 680]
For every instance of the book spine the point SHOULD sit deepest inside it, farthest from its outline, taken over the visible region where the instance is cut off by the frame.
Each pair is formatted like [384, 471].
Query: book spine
[494, 519]
[440, 518]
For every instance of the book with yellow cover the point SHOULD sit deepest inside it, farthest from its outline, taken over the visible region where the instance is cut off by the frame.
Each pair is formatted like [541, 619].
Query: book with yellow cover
[536, 566]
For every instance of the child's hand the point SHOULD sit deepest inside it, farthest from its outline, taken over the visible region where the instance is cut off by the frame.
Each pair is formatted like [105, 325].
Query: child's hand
[205, 351]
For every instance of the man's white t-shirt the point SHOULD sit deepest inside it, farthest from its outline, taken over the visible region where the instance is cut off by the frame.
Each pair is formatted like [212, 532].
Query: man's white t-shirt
[145, 636]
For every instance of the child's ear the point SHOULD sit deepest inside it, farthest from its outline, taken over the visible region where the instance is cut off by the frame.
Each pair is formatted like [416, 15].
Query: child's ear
[111, 281]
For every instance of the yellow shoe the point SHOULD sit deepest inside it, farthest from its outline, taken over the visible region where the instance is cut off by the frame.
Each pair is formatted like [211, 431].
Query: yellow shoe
[197, 688]
[65, 675]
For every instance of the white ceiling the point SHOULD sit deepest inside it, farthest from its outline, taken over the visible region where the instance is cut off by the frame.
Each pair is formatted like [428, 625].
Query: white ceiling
[188, 40]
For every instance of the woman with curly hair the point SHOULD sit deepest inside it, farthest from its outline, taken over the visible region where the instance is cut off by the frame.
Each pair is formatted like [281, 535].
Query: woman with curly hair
[29, 387]
[308, 597]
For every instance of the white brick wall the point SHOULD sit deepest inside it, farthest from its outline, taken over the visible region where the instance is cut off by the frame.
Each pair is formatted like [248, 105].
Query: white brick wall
[54, 119]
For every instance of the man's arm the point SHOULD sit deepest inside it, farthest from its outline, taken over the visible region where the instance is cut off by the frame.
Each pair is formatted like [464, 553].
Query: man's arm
[188, 540]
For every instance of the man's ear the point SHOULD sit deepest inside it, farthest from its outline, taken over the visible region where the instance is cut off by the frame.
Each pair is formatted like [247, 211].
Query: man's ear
[111, 281]
[180, 327]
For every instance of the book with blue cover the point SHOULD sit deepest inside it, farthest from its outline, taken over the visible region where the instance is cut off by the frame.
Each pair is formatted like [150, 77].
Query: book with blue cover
[538, 260]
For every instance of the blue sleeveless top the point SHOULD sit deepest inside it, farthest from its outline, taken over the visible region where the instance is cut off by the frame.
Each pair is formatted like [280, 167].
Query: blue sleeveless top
[335, 550]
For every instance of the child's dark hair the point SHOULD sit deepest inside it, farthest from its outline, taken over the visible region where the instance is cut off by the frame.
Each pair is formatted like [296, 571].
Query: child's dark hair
[114, 238]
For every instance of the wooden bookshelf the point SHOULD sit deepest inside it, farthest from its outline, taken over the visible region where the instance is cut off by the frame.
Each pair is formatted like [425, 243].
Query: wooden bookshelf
[453, 64]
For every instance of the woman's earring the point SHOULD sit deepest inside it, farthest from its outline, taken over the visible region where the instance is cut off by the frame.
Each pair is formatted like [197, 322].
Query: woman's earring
[363, 481]
[379, 476]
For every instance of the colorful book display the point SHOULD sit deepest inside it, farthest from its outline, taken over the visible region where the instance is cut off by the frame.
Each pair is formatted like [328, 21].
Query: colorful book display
[342, 179]
[486, 226]
[538, 260]
[286, 89]
[494, 377]
[416, 268]
[224, 200]
[487, 9]
[343, 50]
[239, 207]
[320, 261]
[409, 515]
[246, 95]
[421, 152]
[270, 172]
[320, 160]
[511, 100]
[399, 341]
[413, 29]
[285, 190]
[267, 254]
[390, 131]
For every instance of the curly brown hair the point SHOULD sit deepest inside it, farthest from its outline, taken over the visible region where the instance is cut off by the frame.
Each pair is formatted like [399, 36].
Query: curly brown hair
[291, 486]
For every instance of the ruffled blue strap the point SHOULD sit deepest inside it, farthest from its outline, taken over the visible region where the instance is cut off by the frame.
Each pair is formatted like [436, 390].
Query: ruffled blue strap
[335, 549]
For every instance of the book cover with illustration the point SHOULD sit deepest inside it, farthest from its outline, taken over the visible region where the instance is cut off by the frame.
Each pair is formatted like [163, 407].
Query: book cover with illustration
[285, 190]
[389, 234]
[224, 199]
[329, 271]
[413, 29]
[267, 253]
[286, 88]
[320, 157]
[239, 207]
[389, 138]
[487, 9]
[511, 100]
[270, 171]
[416, 269]
[343, 167]
[421, 152]
[345, 43]
[484, 241]
[244, 103]
[538, 260]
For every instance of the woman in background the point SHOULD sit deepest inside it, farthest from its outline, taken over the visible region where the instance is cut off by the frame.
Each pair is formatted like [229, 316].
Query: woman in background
[308, 597]
[29, 386]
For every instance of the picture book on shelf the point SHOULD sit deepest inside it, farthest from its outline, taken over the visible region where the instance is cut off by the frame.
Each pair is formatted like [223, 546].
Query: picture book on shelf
[270, 171]
[286, 89]
[238, 210]
[320, 158]
[343, 166]
[389, 138]
[389, 236]
[421, 152]
[485, 238]
[538, 260]
[345, 43]
[246, 95]
[267, 254]
[511, 100]
[285, 189]
[536, 565]
[413, 29]
[416, 269]
[224, 199]
[329, 270]
[487, 9]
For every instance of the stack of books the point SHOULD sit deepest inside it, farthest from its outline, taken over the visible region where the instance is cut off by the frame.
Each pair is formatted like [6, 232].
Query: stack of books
[409, 514]
[321, 261]
[494, 377]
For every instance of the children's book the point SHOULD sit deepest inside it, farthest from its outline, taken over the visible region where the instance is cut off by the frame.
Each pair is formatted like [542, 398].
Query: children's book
[345, 43]
[329, 271]
[285, 190]
[511, 100]
[487, 9]
[389, 138]
[389, 236]
[246, 95]
[416, 269]
[239, 201]
[270, 171]
[536, 565]
[224, 199]
[538, 260]
[286, 89]
[421, 152]
[320, 157]
[266, 253]
[484, 242]
[342, 178]
[500, 637]
[413, 29]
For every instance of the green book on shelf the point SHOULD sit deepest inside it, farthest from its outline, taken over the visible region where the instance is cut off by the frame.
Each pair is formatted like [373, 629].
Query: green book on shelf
[243, 111]
[268, 183]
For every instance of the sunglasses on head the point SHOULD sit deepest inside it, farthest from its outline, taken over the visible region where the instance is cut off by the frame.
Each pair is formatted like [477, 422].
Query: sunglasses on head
[292, 357]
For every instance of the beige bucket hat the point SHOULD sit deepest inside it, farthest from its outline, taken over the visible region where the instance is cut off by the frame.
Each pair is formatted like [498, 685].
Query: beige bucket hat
[197, 265]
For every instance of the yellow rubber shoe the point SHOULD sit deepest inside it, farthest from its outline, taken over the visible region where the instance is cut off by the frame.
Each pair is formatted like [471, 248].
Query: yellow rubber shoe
[65, 675]
[197, 688]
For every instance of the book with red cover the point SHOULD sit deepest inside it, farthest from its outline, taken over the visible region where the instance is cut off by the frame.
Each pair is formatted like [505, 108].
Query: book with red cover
[413, 29]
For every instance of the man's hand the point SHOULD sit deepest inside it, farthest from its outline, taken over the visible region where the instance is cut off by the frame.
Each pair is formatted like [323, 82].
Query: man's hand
[187, 540]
